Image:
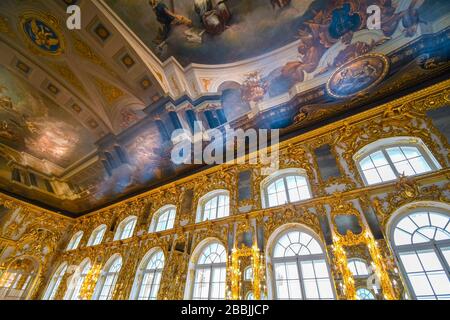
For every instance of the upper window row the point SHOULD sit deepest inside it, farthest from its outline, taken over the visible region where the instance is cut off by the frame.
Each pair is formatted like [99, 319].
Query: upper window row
[382, 161]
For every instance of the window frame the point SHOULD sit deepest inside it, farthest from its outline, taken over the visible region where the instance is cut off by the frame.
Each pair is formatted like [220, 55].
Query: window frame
[383, 144]
[211, 267]
[91, 242]
[357, 275]
[298, 259]
[119, 235]
[435, 246]
[143, 270]
[55, 282]
[105, 273]
[207, 198]
[157, 216]
[284, 174]
[75, 286]
[74, 242]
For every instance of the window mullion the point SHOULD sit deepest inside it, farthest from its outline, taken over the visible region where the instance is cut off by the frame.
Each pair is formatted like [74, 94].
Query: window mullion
[286, 190]
[300, 279]
[391, 164]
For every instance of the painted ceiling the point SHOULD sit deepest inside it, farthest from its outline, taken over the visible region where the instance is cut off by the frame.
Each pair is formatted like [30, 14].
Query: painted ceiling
[218, 32]
[86, 115]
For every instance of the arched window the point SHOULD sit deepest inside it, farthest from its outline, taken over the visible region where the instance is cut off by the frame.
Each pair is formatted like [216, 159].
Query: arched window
[16, 282]
[163, 219]
[421, 240]
[73, 291]
[285, 186]
[248, 274]
[149, 275]
[126, 228]
[108, 278]
[364, 294]
[97, 236]
[55, 282]
[249, 296]
[388, 159]
[75, 241]
[214, 205]
[210, 273]
[358, 267]
[300, 268]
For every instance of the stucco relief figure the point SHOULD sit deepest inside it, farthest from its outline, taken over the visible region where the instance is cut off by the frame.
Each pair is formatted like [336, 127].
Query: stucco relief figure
[213, 14]
[167, 19]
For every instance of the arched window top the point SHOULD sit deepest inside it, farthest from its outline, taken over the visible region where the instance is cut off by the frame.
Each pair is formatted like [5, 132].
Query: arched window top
[114, 265]
[163, 219]
[387, 159]
[249, 296]
[126, 228]
[213, 253]
[148, 276]
[155, 261]
[75, 241]
[420, 237]
[108, 279]
[296, 243]
[97, 235]
[421, 226]
[364, 294]
[285, 186]
[358, 267]
[55, 282]
[214, 205]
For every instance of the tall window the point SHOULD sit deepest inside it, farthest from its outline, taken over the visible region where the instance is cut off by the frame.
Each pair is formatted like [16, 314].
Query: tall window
[108, 279]
[285, 188]
[210, 273]
[55, 282]
[388, 159]
[421, 240]
[164, 219]
[150, 277]
[97, 236]
[16, 282]
[73, 291]
[214, 206]
[75, 241]
[300, 268]
[125, 229]
[358, 267]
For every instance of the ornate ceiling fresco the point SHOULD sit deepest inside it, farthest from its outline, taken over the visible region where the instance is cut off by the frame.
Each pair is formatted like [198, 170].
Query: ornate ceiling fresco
[87, 115]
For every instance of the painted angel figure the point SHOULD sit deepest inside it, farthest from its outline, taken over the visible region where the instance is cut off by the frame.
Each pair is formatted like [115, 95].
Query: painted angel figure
[213, 14]
[167, 19]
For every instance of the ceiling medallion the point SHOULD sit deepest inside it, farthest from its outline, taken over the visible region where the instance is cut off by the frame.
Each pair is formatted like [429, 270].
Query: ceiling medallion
[358, 75]
[43, 33]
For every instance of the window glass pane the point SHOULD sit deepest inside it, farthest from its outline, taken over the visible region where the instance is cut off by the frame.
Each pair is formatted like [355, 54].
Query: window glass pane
[411, 262]
[395, 154]
[420, 165]
[404, 168]
[386, 173]
[372, 176]
[378, 159]
[366, 164]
